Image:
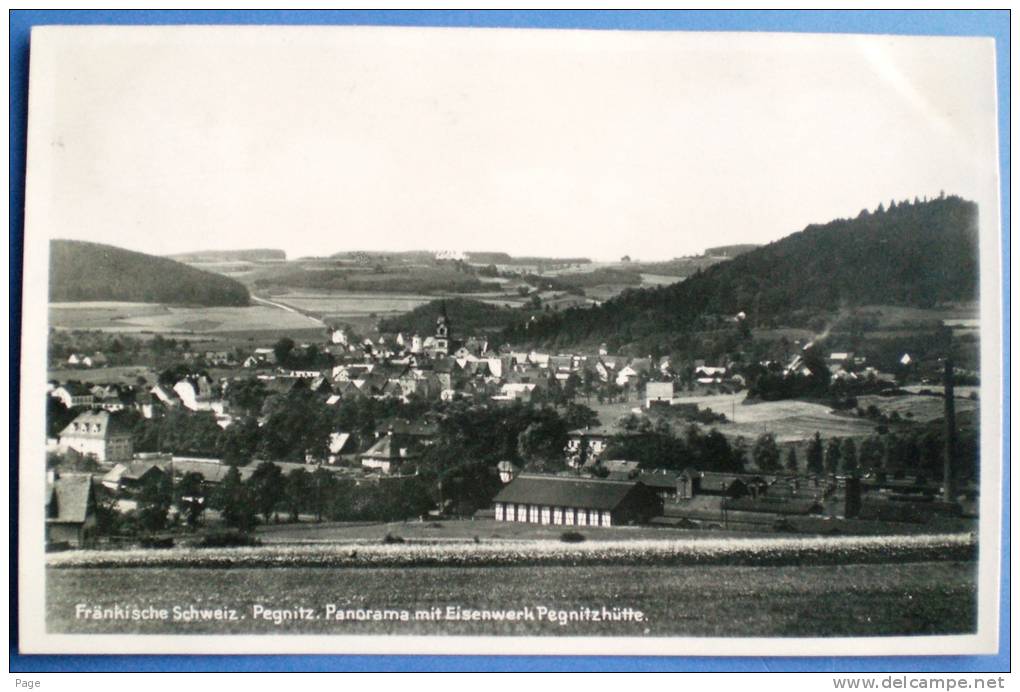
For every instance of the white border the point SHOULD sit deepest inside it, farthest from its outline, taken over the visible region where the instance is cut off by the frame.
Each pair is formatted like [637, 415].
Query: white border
[34, 639]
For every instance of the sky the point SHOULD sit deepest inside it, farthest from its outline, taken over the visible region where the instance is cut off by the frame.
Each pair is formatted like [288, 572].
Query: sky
[654, 145]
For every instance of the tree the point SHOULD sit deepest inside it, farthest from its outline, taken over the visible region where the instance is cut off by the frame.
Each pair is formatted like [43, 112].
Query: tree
[282, 349]
[791, 460]
[154, 502]
[189, 495]
[267, 488]
[579, 416]
[248, 395]
[833, 454]
[323, 484]
[871, 453]
[542, 442]
[849, 456]
[766, 452]
[235, 501]
[237, 444]
[297, 492]
[815, 453]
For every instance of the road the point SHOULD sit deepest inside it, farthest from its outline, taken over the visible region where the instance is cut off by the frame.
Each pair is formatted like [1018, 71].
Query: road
[288, 308]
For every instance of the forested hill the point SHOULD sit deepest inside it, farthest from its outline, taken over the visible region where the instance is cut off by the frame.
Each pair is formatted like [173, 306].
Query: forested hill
[913, 254]
[466, 317]
[82, 271]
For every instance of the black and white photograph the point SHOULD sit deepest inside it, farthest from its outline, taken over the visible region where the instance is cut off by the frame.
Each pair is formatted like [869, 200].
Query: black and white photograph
[441, 340]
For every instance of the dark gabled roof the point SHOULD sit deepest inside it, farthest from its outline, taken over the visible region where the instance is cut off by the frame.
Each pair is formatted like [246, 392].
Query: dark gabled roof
[69, 499]
[657, 479]
[388, 449]
[133, 471]
[109, 425]
[75, 388]
[559, 491]
[398, 426]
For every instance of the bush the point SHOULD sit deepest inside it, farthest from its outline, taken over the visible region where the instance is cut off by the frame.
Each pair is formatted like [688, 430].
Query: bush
[156, 542]
[389, 538]
[228, 539]
[571, 537]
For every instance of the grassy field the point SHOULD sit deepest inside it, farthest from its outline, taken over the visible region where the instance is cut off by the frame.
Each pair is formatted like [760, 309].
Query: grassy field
[344, 304]
[165, 319]
[919, 408]
[788, 420]
[463, 530]
[838, 600]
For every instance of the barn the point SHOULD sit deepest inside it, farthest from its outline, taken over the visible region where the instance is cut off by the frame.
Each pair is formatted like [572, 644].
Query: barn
[70, 510]
[571, 501]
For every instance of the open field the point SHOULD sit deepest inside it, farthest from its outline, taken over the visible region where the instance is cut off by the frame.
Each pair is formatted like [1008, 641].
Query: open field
[464, 530]
[117, 374]
[166, 319]
[341, 304]
[918, 408]
[832, 600]
[788, 420]
[489, 530]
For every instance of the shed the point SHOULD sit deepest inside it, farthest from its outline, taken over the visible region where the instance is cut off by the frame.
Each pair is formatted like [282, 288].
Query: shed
[70, 509]
[570, 501]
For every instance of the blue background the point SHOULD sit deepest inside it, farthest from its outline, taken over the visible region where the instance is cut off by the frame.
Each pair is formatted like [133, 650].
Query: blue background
[994, 23]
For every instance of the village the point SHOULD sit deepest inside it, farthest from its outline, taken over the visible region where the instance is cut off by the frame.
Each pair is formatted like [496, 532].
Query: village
[97, 468]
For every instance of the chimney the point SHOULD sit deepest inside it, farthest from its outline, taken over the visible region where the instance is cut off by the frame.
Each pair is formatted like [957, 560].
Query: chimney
[948, 491]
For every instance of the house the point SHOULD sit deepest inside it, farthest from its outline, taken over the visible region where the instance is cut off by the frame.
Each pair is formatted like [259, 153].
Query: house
[165, 395]
[571, 501]
[97, 434]
[515, 391]
[692, 483]
[662, 482]
[73, 394]
[132, 475]
[70, 509]
[708, 374]
[595, 439]
[197, 394]
[96, 360]
[507, 471]
[340, 443]
[658, 392]
[388, 454]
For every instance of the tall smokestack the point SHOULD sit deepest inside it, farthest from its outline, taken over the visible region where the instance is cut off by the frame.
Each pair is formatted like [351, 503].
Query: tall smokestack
[948, 492]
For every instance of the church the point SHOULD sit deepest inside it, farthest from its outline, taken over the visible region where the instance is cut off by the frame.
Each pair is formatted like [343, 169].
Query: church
[442, 344]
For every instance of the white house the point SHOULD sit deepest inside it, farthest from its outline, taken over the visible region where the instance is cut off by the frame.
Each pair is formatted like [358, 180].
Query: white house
[658, 391]
[97, 434]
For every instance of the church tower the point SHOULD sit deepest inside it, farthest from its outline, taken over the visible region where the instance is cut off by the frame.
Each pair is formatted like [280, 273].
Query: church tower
[442, 331]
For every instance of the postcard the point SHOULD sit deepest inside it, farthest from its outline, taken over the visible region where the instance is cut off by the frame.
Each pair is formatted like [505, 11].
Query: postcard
[405, 340]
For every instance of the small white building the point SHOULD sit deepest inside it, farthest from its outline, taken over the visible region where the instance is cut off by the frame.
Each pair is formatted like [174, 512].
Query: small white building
[658, 391]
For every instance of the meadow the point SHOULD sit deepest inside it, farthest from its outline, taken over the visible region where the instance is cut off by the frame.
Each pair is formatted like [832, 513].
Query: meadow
[789, 420]
[168, 319]
[719, 601]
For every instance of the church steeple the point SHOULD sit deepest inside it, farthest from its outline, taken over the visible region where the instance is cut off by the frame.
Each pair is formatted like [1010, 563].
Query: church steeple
[442, 331]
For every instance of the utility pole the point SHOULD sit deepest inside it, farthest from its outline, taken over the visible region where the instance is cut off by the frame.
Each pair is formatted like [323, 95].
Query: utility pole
[948, 491]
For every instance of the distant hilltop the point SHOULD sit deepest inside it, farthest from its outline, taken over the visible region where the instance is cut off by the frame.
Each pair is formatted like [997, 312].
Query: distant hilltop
[82, 271]
[253, 255]
[913, 254]
[498, 258]
[730, 251]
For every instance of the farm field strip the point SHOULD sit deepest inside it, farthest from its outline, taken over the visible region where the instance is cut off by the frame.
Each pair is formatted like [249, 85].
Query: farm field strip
[136, 317]
[747, 551]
